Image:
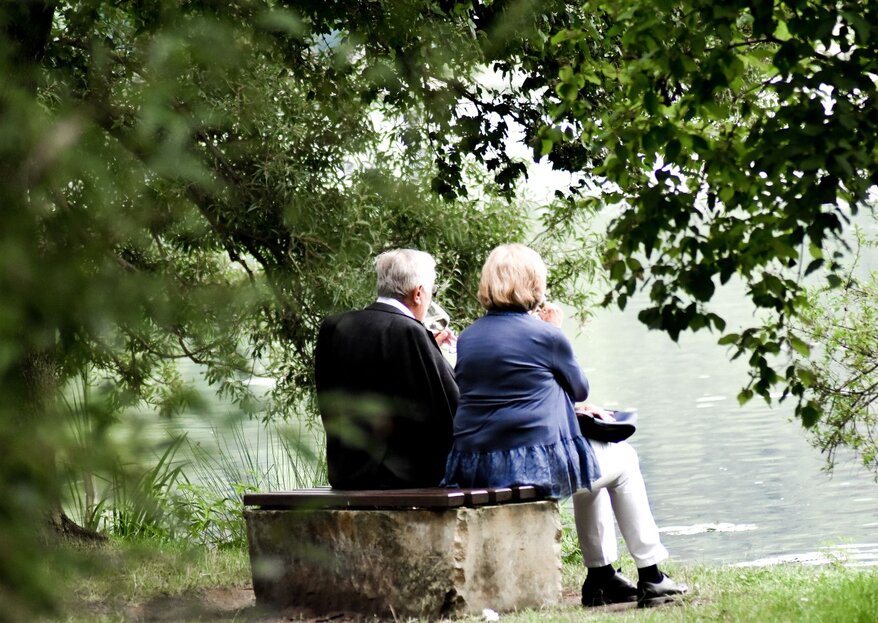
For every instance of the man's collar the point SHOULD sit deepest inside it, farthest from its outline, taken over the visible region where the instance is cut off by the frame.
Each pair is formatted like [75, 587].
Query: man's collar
[397, 304]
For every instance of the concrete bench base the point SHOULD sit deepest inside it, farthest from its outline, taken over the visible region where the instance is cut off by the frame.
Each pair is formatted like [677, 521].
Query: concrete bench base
[408, 563]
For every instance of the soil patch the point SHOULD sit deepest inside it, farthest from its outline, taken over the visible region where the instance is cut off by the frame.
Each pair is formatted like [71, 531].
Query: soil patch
[216, 605]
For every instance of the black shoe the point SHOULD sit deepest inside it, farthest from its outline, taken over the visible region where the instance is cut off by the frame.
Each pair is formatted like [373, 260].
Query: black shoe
[615, 590]
[656, 593]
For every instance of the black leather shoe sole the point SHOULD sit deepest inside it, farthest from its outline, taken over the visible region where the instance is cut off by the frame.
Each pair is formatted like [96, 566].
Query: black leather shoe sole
[652, 602]
[616, 590]
[650, 594]
[606, 600]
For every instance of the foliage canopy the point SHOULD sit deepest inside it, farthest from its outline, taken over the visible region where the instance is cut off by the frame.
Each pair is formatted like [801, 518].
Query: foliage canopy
[733, 141]
[187, 181]
[204, 181]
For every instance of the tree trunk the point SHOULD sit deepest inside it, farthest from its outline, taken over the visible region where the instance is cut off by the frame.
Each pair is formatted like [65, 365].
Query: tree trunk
[30, 383]
[38, 383]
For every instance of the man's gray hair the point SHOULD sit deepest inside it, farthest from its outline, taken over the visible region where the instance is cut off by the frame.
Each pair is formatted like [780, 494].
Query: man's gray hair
[402, 270]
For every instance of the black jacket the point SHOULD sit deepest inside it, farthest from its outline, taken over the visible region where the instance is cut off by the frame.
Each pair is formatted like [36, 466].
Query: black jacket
[387, 398]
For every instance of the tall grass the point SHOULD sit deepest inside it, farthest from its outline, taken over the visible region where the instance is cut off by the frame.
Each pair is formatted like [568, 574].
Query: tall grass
[111, 486]
[77, 462]
[273, 456]
[138, 503]
[571, 554]
[178, 489]
[277, 457]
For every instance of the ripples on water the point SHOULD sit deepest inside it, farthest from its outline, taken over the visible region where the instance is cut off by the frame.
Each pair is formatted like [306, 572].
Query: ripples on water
[862, 555]
[727, 483]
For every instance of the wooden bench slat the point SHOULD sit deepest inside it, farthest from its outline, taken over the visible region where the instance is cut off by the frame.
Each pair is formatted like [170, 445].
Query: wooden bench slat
[476, 497]
[326, 497]
[344, 499]
[500, 495]
[525, 492]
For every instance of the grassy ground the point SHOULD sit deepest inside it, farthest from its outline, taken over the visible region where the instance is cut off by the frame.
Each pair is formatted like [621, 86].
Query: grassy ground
[152, 581]
[793, 593]
[173, 582]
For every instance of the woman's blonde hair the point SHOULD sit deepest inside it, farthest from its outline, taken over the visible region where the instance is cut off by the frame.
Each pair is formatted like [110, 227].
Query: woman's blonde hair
[513, 277]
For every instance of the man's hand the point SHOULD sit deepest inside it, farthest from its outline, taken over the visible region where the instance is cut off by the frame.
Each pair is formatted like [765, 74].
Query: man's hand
[552, 314]
[446, 336]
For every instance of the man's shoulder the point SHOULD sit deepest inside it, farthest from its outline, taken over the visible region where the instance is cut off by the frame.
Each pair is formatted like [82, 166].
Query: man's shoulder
[376, 314]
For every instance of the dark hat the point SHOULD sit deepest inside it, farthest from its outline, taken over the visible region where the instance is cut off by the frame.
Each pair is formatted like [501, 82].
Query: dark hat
[605, 430]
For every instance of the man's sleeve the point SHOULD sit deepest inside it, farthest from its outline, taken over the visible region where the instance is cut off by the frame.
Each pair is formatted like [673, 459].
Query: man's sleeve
[436, 393]
[436, 375]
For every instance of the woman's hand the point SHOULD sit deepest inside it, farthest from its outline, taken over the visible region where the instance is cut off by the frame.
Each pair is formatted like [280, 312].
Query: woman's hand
[596, 412]
[552, 314]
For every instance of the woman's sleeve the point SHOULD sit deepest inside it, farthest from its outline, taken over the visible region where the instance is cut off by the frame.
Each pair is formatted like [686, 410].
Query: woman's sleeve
[567, 370]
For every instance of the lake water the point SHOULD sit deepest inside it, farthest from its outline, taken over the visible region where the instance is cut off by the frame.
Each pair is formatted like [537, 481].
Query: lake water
[728, 484]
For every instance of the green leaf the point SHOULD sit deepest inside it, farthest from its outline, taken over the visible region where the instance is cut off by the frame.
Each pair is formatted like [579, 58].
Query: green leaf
[813, 265]
[782, 32]
[806, 376]
[617, 270]
[701, 284]
[565, 35]
[744, 396]
[726, 194]
[729, 338]
[800, 346]
[833, 280]
[718, 322]
[809, 414]
[567, 91]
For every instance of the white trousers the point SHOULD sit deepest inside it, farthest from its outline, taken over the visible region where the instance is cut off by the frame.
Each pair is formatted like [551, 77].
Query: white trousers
[620, 491]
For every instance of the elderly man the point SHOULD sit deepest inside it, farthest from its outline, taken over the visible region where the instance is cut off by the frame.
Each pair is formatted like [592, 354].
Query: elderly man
[386, 394]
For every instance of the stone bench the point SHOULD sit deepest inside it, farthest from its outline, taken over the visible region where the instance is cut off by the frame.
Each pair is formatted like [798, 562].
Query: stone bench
[426, 553]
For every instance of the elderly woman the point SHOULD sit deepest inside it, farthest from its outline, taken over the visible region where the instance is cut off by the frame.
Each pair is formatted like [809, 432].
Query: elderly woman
[515, 425]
